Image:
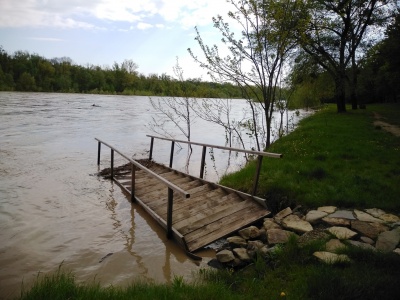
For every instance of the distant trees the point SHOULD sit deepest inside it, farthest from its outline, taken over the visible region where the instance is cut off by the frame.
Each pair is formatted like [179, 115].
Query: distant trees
[23, 71]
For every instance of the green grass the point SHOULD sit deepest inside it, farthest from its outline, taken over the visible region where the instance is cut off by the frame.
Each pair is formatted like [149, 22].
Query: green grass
[63, 285]
[290, 269]
[332, 159]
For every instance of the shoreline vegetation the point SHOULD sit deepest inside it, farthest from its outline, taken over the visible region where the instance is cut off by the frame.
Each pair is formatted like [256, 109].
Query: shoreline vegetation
[330, 159]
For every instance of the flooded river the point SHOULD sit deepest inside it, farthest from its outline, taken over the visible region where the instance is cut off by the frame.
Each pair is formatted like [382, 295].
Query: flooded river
[55, 210]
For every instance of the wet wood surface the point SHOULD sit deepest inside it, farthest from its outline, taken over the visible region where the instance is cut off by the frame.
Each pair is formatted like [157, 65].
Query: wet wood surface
[211, 213]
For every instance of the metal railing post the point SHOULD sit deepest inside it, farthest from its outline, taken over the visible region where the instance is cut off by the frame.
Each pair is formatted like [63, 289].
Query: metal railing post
[112, 163]
[171, 158]
[203, 158]
[151, 148]
[98, 153]
[257, 175]
[133, 174]
[169, 212]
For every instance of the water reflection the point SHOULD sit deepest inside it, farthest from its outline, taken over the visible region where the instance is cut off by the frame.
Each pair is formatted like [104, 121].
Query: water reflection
[172, 252]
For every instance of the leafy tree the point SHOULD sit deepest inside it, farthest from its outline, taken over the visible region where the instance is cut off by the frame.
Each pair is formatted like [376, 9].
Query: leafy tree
[333, 35]
[26, 82]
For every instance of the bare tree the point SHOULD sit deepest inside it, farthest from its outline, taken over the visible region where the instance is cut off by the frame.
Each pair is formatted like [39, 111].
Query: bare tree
[176, 110]
[256, 59]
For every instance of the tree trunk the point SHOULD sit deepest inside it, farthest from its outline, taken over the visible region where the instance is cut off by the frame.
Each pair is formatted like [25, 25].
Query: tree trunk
[340, 93]
[353, 83]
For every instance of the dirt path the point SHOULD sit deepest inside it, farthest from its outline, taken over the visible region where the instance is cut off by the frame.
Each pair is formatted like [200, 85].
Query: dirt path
[393, 129]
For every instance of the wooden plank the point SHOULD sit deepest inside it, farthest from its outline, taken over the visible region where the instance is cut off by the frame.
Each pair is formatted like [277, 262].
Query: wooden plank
[194, 192]
[206, 206]
[202, 196]
[202, 219]
[197, 207]
[158, 198]
[180, 203]
[235, 220]
[224, 230]
[153, 188]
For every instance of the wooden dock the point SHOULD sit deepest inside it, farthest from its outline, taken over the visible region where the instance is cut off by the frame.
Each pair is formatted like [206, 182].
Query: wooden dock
[194, 212]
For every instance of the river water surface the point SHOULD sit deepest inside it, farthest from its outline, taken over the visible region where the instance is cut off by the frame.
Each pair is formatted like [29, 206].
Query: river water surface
[55, 210]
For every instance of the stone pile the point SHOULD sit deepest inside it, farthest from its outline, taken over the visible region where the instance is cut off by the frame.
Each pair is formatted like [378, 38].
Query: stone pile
[370, 229]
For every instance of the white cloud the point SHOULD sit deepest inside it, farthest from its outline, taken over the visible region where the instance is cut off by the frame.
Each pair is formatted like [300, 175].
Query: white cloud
[73, 13]
[144, 26]
[46, 39]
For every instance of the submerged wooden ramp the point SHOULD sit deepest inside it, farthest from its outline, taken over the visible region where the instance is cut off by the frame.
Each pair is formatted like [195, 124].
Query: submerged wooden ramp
[199, 213]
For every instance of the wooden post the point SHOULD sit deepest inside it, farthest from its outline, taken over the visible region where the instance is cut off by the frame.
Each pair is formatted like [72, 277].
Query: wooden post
[171, 158]
[151, 148]
[112, 164]
[257, 175]
[133, 173]
[98, 154]
[203, 158]
[169, 212]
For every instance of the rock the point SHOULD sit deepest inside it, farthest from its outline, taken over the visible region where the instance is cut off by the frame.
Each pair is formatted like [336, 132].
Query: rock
[343, 214]
[236, 241]
[270, 224]
[333, 245]
[336, 221]
[363, 216]
[342, 233]
[264, 251]
[313, 235]
[362, 245]
[331, 258]
[397, 251]
[255, 245]
[371, 230]
[214, 263]
[389, 218]
[313, 216]
[327, 209]
[367, 240]
[242, 254]
[263, 235]
[237, 263]
[282, 214]
[294, 223]
[225, 256]
[388, 240]
[376, 212]
[278, 236]
[251, 232]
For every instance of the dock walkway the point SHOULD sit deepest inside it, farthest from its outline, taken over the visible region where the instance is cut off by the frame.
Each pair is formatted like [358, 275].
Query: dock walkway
[195, 212]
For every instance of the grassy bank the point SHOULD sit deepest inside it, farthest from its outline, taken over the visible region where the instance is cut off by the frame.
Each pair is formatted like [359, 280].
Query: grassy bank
[332, 159]
[288, 273]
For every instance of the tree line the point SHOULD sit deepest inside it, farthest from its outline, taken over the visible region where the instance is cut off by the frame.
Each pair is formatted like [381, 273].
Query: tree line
[23, 71]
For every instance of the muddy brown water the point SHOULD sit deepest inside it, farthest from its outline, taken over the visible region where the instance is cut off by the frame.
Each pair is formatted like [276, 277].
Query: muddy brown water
[55, 211]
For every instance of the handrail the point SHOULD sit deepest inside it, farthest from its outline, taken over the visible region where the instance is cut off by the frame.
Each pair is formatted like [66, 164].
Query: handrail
[269, 154]
[259, 154]
[171, 187]
[137, 164]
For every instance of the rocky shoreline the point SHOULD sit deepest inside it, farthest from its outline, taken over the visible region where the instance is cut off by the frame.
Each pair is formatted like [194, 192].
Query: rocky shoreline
[372, 229]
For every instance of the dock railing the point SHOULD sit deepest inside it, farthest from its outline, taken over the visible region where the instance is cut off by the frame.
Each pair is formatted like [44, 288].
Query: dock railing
[134, 164]
[259, 154]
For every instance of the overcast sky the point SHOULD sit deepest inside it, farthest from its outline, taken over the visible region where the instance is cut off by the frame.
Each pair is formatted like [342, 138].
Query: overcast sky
[150, 32]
